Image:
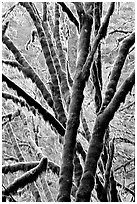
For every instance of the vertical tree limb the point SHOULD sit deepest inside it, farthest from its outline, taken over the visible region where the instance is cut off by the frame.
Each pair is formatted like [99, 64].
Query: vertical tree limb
[96, 142]
[113, 190]
[45, 11]
[61, 73]
[61, 53]
[74, 113]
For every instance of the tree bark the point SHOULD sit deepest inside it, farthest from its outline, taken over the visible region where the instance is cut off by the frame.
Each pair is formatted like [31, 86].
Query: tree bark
[74, 113]
[96, 143]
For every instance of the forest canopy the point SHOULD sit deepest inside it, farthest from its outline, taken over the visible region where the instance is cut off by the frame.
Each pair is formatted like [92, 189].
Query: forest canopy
[68, 101]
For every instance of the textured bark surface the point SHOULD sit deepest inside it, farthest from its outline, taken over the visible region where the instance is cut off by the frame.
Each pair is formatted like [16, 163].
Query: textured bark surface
[96, 142]
[20, 166]
[96, 67]
[81, 76]
[61, 73]
[95, 78]
[27, 177]
[117, 68]
[74, 114]
[61, 53]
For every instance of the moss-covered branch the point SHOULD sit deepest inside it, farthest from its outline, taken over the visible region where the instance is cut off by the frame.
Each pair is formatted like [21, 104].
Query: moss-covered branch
[96, 143]
[82, 74]
[19, 166]
[74, 114]
[84, 42]
[26, 166]
[59, 110]
[98, 96]
[101, 34]
[46, 115]
[26, 69]
[96, 67]
[116, 71]
[61, 53]
[61, 73]
[27, 177]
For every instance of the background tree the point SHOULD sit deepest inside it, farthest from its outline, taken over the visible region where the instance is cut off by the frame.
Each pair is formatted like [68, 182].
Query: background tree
[68, 101]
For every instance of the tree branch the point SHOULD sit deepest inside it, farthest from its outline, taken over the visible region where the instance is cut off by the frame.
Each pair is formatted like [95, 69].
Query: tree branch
[113, 190]
[56, 33]
[69, 14]
[58, 106]
[46, 115]
[119, 31]
[33, 187]
[4, 28]
[124, 165]
[26, 166]
[45, 11]
[80, 11]
[26, 69]
[5, 15]
[101, 34]
[96, 142]
[116, 71]
[27, 177]
[74, 113]
[109, 164]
